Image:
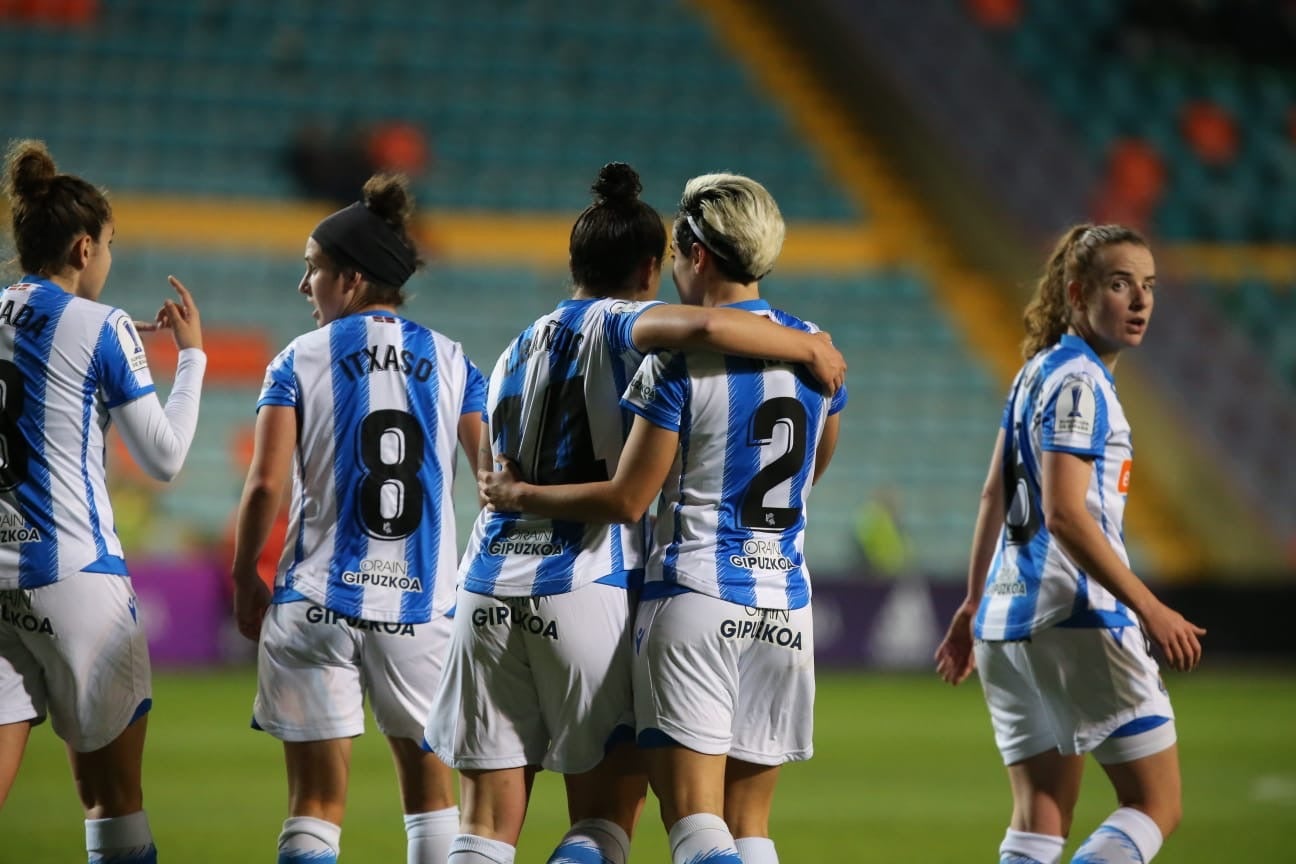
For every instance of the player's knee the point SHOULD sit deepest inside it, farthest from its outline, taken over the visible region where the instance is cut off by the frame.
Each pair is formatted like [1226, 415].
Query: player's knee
[1165, 809]
[107, 798]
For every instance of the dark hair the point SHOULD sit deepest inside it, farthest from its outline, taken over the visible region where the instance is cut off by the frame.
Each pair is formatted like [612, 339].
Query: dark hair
[50, 210]
[1074, 259]
[387, 197]
[615, 235]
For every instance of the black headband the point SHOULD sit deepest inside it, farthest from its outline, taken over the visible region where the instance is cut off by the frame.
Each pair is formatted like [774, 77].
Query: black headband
[357, 235]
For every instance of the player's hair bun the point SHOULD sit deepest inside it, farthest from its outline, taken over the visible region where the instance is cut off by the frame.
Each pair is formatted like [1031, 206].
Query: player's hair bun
[29, 170]
[617, 183]
[388, 196]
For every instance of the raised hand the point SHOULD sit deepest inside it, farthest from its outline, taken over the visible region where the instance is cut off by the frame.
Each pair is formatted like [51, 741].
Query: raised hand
[180, 318]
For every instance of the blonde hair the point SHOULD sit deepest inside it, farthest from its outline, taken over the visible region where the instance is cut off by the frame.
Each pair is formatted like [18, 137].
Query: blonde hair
[735, 218]
[1074, 259]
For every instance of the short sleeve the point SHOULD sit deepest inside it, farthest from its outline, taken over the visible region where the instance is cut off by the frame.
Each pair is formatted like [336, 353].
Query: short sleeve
[280, 385]
[1075, 418]
[474, 400]
[618, 325]
[121, 362]
[838, 401]
[659, 390]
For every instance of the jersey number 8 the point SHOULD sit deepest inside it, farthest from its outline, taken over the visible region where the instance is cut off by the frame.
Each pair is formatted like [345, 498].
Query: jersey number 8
[391, 495]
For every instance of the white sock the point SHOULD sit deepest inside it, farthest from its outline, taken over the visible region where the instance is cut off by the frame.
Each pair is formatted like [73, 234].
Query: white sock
[307, 839]
[1022, 847]
[471, 849]
[756, 850]
[1128, 836]
[605, 838]
[428, 835]
[702, 837]
[120, 840]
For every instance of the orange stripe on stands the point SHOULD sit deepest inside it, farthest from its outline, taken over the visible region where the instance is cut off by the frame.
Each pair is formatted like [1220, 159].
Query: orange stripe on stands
[981, 308]
[537, 240]
[235, 358]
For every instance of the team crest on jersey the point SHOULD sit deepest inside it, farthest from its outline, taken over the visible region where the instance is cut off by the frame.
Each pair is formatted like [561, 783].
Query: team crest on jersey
[131, 346]
[1077, 408]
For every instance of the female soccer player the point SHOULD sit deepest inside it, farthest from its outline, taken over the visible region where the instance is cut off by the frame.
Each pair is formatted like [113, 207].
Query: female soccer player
[724, 626]
[539, 673]
[70, 641]
[1052, 605]
[365, 413]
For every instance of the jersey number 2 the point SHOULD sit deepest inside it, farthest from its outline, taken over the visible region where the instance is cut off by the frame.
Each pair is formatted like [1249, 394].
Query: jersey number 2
[13, 447]
[391, 495]
[791, 414]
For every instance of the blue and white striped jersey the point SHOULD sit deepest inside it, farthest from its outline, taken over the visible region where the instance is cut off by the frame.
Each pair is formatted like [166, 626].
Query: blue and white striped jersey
[554, 410]
[1063, 400]
[378, 401]
[732, 516]
[64, 362]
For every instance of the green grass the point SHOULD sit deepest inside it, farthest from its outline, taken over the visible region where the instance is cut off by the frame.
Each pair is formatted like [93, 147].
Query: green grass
[905, 771]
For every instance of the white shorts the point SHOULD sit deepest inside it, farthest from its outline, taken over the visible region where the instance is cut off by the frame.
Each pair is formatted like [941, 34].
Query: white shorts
[1069, 689]
[535, 681]
[315, 666]
[720, 678]
[74, 648]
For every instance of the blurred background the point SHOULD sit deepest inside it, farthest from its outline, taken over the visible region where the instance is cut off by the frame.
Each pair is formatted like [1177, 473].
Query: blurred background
[925, 153]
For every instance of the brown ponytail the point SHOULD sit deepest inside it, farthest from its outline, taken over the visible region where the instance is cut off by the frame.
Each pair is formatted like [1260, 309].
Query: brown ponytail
[50, 210]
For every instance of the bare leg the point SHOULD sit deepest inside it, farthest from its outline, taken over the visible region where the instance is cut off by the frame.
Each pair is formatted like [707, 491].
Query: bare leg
[749, 797]
[108, 779]
[686, 782]
[317, 778]
[614, 790]
[495, 802]
[426, 783]
[13, 743]
[1153, 785]
[1045, 788]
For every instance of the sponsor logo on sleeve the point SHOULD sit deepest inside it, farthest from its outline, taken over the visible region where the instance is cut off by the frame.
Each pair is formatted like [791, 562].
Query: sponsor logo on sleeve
[1123, 481]
[644, 385]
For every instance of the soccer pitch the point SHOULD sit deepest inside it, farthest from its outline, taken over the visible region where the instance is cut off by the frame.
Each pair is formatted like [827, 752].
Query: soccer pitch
[905, 770]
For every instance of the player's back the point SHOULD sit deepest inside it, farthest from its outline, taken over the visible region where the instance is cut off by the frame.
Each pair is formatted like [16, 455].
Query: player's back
[378, 400]
[554, 406]
[732, 517]
[64, 361]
